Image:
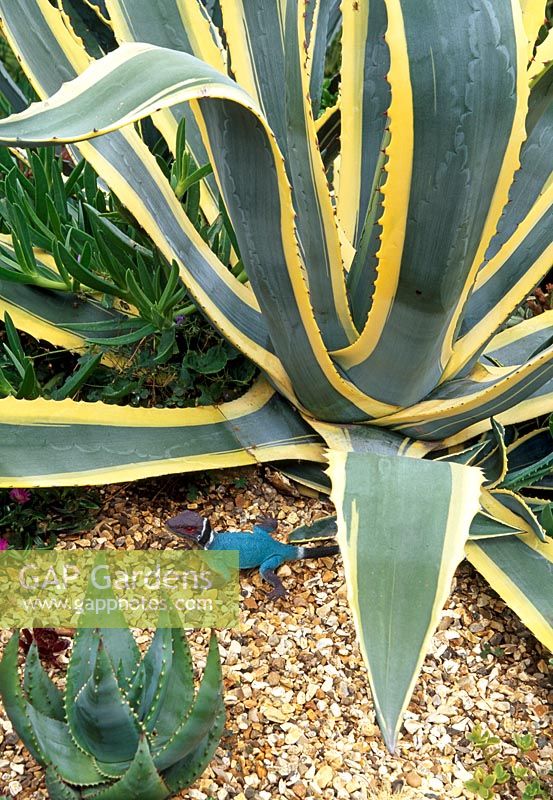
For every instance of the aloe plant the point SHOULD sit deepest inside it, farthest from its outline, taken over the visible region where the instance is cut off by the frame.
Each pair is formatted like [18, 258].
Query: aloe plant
[382, 266]
[126, 726]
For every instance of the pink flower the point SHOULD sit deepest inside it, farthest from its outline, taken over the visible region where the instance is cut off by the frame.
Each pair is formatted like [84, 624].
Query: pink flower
[4, 544]
[20, 496]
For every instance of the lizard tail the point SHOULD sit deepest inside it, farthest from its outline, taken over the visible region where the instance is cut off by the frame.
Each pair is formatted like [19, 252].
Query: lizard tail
[318, 552]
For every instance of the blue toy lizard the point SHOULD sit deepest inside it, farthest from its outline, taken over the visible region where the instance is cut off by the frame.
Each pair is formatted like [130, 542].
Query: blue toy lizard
[255, 549]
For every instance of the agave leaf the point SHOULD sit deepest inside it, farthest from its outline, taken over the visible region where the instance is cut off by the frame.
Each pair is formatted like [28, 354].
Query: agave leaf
[399, 560]
[11, 91]
[201, 716]
[517, 344]
[307, 474]
[492, 460]
[510, 508]
[84, 443]
[364, 105]
[485, 525]
[527, 449]
[265, 188]
[179, 27]
[102, 721]
[43, 694]
[324, 528]
[520, 570]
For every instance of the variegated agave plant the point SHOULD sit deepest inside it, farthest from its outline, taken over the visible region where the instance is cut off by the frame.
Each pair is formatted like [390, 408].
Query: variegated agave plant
[125, 727]
[382, 267]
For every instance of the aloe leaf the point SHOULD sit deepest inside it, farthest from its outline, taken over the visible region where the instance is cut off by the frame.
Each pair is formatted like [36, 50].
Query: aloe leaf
[122, 650]
[149, 684]
[201, 716]
[55, 740]
[179, 694]
[141, 781]
[43, 694]
[185, 772]
[83, 658]
[57, 789]
[103, 722]
[13, 699]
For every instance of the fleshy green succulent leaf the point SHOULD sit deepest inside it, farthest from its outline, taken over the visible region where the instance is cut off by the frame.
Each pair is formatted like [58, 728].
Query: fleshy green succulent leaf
[74, 382]
[84, 443]
[399, 560]
[185, 772]
[11, 91]
[142, 780]
[365, 99]
[511, 508]
[484, 525]
[466, 456]
[517, 344]
[121, 647]
[520, 570]
[43, 694]
[148, 685]
[492, 459]
[526, 450]
[201, 716]
[519, 255]
[424, 278]
[51, 315]
[324, 528]
[57, 789]
[54, 738]
[81, 664]
[175, 704]
[14, 701]
[546, 519]
[102, 721]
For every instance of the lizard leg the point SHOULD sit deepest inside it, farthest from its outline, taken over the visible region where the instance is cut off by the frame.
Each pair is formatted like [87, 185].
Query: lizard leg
[267, 571]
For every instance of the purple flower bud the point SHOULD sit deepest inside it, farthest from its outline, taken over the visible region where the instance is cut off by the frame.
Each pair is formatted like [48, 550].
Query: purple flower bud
[4, 544]
[20, 496]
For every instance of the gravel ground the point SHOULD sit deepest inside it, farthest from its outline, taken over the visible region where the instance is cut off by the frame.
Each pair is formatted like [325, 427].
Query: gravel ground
[300, 722]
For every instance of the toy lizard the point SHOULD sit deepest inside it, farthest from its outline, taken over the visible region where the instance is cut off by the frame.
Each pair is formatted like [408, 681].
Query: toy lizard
[255, 549]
